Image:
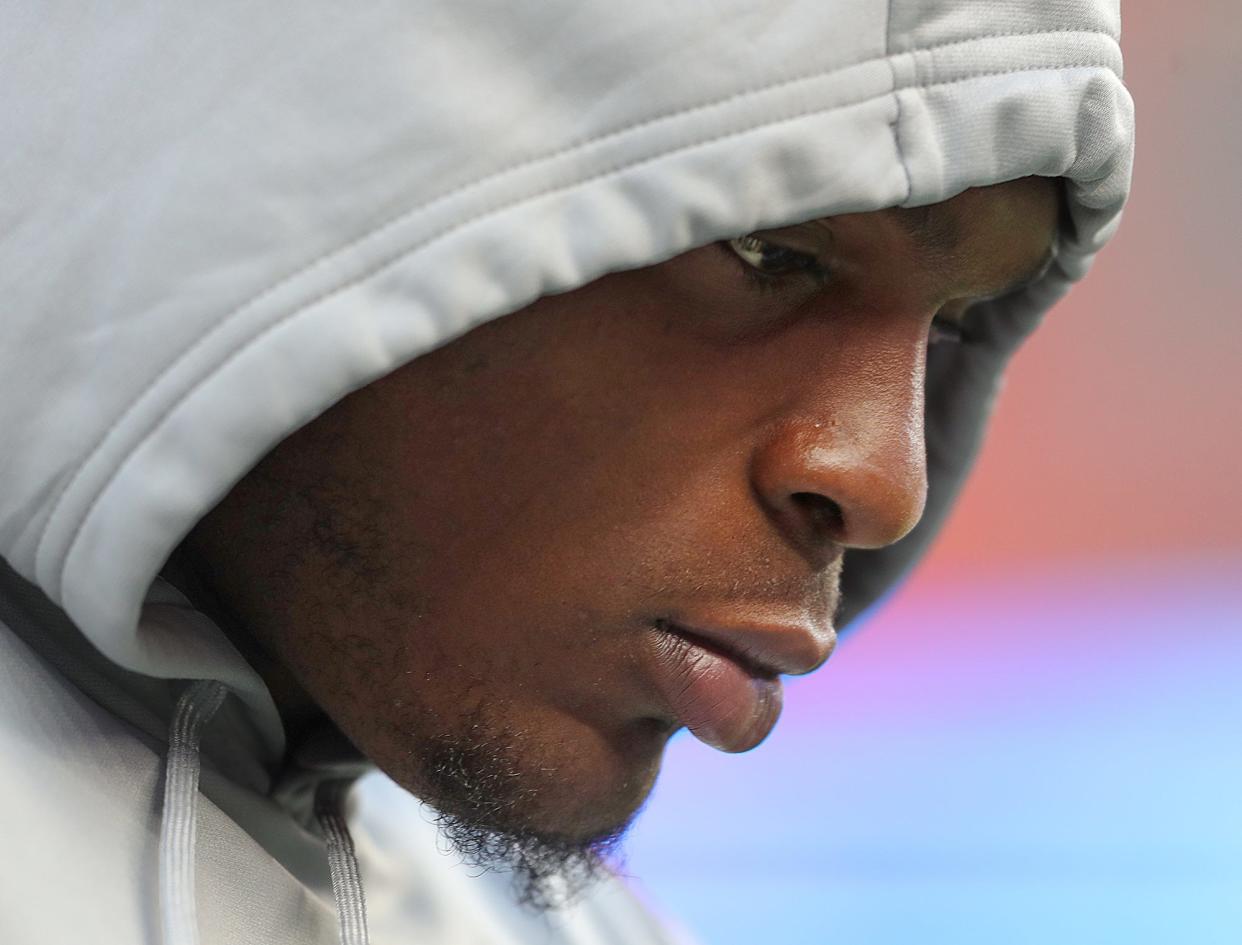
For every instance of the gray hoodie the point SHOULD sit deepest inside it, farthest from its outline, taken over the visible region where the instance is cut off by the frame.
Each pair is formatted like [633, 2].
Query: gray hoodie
[218, 219]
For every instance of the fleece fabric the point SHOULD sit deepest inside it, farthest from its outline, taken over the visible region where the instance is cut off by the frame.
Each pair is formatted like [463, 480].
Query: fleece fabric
[218, 219]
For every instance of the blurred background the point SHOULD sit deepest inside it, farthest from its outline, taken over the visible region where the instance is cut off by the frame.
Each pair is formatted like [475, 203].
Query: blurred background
[1039, 738]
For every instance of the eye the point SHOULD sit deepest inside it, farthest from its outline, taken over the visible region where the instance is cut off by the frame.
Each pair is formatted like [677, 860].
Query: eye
[768, 263]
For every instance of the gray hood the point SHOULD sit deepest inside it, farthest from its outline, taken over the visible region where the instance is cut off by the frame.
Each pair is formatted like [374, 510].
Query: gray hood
[217, 220]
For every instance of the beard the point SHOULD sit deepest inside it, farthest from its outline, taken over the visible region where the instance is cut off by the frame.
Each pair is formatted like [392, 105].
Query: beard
[483, 789]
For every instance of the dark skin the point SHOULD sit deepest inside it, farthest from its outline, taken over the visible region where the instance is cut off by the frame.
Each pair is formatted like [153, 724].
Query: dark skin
[482, 543]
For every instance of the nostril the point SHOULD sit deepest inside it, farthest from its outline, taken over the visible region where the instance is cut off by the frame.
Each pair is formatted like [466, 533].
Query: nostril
[821, 513]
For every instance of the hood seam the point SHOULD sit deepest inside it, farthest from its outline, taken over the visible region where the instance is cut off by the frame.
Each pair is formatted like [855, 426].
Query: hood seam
[899, 109]
[67, 489]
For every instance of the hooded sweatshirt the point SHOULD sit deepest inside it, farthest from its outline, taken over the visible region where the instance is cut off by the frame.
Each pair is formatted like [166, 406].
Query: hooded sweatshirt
[216, 220]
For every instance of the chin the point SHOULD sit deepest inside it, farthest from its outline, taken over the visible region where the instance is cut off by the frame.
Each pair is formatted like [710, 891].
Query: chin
[598, 789]
[568, 782]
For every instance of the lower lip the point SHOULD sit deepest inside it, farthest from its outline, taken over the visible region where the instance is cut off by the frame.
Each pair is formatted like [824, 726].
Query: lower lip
[722, 704]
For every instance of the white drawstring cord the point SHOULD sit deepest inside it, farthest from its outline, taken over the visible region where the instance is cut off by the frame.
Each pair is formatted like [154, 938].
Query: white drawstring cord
[351, 906]
[178, 833]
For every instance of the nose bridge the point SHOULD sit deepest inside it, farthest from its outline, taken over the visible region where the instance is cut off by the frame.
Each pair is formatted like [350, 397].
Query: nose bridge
[848, 464]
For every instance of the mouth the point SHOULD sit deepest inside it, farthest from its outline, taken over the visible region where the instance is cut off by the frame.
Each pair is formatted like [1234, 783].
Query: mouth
[725, 699]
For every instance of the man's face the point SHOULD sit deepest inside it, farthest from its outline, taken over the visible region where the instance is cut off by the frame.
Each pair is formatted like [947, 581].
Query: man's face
[512, 568]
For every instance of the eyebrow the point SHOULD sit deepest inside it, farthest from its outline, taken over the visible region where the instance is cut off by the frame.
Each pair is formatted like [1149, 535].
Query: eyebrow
[938, 236]
[941, 236]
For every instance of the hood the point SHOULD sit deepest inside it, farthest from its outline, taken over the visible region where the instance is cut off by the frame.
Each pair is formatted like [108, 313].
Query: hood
[218, 219]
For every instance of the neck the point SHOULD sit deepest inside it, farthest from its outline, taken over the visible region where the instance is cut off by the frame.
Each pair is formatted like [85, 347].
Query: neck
[299, 713]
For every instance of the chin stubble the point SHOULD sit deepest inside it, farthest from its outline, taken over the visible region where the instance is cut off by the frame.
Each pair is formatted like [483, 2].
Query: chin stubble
[486, 790]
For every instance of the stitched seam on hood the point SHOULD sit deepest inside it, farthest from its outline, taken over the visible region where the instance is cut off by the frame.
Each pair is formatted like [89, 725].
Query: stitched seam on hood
[895, 125]
[401, 255]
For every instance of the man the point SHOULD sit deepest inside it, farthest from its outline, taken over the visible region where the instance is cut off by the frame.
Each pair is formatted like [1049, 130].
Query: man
[285, 495]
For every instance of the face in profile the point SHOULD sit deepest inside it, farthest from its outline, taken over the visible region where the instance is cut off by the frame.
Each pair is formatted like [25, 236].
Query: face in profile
[511, 569]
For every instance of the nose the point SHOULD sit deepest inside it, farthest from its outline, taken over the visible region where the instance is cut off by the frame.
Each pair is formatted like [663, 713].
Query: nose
[847, 466]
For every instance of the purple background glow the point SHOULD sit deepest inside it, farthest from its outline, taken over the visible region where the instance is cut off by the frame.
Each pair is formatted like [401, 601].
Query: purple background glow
[1051, 758]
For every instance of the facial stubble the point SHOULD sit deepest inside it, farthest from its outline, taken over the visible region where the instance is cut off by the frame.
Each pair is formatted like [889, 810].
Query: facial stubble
[487, 780]
[484, 785]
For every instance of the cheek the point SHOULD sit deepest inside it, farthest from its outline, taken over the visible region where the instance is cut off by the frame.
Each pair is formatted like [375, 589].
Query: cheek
[537, 530]
[542, 482]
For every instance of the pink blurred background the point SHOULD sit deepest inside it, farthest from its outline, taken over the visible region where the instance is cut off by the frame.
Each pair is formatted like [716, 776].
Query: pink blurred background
[1120, 431]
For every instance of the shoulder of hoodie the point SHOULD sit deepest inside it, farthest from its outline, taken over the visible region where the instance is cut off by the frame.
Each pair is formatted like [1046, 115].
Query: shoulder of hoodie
[80, 799]
[80, 804]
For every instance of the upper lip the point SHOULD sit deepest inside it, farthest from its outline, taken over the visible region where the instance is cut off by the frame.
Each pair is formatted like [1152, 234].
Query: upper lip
[765, 649]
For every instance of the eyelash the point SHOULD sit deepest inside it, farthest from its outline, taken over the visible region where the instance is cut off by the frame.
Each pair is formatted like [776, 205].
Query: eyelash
[943, 331]
[761, 281]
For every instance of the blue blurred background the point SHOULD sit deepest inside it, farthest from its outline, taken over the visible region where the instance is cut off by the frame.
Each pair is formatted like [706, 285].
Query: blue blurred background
[1039, 738]
[1050, 756]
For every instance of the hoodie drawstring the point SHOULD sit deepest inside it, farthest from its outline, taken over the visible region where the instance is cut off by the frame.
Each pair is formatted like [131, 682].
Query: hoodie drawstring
[178, 831]
[351, 906]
